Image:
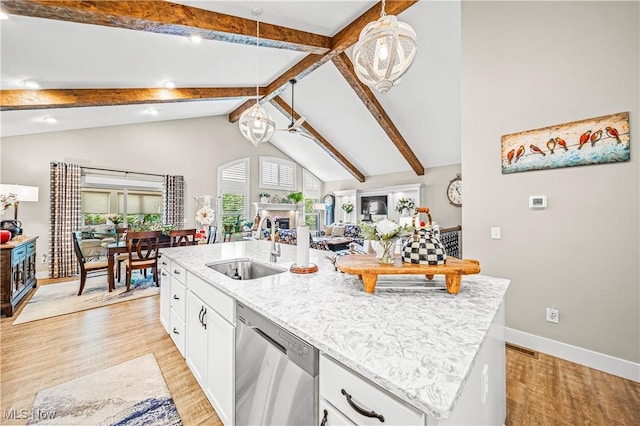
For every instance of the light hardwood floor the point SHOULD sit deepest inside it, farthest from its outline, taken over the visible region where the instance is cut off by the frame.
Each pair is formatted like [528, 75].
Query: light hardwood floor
[41, 354]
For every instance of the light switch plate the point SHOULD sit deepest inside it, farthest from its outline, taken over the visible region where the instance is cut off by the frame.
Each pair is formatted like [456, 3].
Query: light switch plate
[495, 233]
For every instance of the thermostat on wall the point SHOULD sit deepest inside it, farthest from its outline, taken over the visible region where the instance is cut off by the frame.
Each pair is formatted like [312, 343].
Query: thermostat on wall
[538, 202]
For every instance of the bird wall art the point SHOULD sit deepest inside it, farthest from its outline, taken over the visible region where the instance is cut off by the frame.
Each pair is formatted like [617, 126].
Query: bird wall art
[596, 140]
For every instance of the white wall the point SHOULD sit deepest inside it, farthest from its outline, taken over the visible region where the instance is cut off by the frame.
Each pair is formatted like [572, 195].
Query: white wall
[528, 65]
[434, 194]
[193, 148]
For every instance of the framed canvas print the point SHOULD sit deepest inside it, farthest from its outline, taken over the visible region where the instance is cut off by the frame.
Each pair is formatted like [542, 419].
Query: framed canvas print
[592, 141]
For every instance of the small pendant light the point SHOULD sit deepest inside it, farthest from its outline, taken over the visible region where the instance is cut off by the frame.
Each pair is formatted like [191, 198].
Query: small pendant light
[255, 123]
[384, 52]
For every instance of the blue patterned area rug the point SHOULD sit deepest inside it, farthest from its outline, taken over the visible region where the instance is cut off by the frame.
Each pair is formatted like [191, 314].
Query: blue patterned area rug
[131, 393]
[52, 300]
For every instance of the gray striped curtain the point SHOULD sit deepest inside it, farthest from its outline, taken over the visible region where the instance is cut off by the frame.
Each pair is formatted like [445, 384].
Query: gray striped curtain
[173, 201]
[65, 210]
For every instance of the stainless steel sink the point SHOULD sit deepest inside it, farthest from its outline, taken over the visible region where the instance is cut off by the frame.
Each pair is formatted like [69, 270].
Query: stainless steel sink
[244, 269]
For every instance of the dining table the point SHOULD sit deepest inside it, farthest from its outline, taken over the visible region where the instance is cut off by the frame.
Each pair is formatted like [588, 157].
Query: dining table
[116, 248]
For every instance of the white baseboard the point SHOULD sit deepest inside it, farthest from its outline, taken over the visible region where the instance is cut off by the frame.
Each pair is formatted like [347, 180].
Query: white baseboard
[612, 365]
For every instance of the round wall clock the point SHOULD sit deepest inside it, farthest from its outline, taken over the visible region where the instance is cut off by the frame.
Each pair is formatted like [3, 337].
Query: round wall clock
[329, 200]
[454, 191]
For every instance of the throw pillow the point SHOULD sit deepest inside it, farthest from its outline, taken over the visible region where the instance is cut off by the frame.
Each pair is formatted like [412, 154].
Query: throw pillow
[338, 231]
[328, 230]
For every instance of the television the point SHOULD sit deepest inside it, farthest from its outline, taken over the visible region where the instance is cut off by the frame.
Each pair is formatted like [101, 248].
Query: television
[372, 206]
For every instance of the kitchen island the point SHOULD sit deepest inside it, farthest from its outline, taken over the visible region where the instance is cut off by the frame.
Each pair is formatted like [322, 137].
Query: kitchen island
[421, 346]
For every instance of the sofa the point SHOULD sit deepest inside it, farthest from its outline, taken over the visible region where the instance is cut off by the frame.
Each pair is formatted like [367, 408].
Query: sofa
[336, 237]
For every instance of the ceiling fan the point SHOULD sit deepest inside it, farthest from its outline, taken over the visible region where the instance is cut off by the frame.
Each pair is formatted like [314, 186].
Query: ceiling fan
[295, 127]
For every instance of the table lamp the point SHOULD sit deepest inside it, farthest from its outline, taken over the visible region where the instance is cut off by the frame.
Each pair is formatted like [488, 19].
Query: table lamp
[21, 193]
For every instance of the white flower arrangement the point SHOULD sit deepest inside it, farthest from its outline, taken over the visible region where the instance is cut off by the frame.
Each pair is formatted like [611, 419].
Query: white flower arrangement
[206, 215]
[347, 207]
[383, 230]
[404, 204]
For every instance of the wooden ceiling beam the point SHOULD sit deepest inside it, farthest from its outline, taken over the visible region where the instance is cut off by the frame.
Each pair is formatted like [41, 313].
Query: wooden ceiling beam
[170, 18]
[347, 37]
[11, 100]
[323, 143]
[344, 65]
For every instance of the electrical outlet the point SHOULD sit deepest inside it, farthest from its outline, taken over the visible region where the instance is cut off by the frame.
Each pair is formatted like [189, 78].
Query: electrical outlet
[552, 315]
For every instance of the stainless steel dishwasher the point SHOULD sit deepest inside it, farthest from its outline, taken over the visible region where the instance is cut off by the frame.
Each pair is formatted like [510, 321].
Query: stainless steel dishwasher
[276, 374]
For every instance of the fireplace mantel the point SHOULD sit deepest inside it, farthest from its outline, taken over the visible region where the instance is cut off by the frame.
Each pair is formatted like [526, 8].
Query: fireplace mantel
[274, 206]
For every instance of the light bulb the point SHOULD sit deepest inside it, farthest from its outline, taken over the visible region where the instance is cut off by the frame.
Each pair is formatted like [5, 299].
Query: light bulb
[195, 38]
[383, 50]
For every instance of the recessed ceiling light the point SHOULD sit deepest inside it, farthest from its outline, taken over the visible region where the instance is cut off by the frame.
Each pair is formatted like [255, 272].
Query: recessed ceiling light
[3, 15]
[30, 84]
[195, 38]
[50, 120]
[152, 111]
[169, 84]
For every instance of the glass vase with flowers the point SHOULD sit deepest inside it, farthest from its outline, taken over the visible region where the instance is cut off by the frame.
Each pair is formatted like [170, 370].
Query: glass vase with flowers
[385, 233]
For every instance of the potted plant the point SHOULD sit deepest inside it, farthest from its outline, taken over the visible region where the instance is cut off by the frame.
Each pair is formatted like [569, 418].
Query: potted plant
[296, 197]
[404, 206]
[264, 197]
[348, 208]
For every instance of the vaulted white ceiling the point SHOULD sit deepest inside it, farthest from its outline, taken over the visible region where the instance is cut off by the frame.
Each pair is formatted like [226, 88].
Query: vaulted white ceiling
[424, 106]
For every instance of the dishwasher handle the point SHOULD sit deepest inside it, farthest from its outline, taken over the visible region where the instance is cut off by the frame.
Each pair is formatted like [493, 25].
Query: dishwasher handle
[268, 338]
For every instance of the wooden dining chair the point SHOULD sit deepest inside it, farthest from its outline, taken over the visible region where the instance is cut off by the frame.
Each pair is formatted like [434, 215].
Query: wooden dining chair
[182, 237]
[86, 266]
[120, 258]
[142, 253]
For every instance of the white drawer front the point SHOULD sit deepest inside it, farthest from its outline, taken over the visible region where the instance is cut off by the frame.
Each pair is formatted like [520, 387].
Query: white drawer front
[330, 416]
[178, 273]
[223, 304]
[178, 299]
[164, 263]
[334, 378]
[177, 331]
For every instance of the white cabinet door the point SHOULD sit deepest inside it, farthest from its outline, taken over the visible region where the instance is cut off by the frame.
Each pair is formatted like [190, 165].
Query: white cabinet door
[330, 416]
[196, 338]
[220, 369]
[165, 296]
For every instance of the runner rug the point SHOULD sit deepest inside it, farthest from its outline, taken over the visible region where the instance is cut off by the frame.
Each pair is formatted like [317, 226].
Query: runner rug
[52, 300]
[131, 393]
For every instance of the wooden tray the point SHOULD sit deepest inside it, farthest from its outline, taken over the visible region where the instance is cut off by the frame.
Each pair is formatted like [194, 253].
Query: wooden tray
[367, 268]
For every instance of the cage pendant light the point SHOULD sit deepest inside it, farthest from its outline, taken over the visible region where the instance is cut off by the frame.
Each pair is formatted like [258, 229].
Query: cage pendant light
[255, 123]
[384, 52]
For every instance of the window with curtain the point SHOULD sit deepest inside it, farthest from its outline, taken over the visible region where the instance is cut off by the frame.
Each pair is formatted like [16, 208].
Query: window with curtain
[145, 207]
[277, 173]
[233, 184]
[95, 207]
[311, 193]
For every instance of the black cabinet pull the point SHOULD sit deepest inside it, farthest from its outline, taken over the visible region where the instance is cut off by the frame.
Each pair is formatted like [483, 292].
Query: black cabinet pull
[176, 272]
[362, 411]
[200, 314]
[175, 331]
[175, 296]
[204, 316]
[324, 418]
[164, 274]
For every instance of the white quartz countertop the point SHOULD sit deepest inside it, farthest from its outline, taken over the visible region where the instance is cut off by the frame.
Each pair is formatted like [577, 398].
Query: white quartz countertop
[419, 345]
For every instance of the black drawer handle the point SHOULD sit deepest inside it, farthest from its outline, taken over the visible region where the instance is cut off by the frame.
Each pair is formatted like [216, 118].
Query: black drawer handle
[324, 418]
[175, 331]
[164, 274]
[362, 411]
[176, 272]
[175, 296]
[164, 263]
